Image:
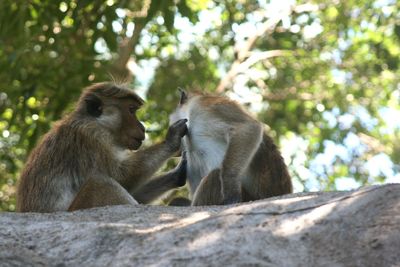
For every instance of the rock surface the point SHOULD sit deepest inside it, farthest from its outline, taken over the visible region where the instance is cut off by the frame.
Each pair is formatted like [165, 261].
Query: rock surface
[358, 228]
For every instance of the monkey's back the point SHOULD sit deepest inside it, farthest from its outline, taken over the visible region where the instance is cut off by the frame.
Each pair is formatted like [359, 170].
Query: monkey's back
[34, 191]
[204, 152]
[268, 173]
[207, 143]
[55, 163]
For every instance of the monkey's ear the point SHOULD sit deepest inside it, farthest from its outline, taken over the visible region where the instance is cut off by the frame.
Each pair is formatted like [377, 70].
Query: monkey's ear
[94, 105]
[184, 96]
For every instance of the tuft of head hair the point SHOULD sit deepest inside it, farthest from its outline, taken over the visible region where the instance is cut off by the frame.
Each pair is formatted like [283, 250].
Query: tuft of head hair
[91, 100]
[112, 90]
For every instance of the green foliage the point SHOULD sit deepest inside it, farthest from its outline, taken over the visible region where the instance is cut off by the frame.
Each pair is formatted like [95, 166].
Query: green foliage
[326, 97]
[48, 53]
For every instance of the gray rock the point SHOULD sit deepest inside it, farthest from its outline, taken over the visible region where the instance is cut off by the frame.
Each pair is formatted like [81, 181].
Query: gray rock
[358, 228]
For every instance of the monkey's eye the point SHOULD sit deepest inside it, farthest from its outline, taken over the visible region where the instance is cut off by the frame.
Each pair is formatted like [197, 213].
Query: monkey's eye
[132, 109]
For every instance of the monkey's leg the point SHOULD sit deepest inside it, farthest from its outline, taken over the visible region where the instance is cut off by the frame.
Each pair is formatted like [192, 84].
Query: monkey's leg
[209, 190]
[99, 192]
[161, 184]
[244, 140]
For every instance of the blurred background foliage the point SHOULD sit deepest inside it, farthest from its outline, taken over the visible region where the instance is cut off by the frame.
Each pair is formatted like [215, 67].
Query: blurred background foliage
[323, 77]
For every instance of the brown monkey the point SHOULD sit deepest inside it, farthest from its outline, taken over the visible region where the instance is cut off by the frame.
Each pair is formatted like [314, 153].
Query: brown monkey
[87, 159]
[230, 157]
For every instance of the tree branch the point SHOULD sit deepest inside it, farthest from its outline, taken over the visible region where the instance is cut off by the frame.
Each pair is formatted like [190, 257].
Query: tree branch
[243, 62]
[118, 69]
[127, 46]
[238, 66]
[268, 26]
[373, 143]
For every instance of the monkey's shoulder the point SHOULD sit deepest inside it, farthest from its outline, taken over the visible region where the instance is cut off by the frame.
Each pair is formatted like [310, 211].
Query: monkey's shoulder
[222, 109]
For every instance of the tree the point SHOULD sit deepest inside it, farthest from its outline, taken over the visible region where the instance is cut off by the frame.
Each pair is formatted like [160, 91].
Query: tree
[324, 78]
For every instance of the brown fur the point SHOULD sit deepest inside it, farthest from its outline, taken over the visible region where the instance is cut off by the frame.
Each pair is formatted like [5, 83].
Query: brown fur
[230, 156]
[87, 157]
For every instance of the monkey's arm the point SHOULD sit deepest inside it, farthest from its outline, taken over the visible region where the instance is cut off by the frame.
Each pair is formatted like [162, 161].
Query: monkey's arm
[161, 184]
[143, 163]
[243, 141]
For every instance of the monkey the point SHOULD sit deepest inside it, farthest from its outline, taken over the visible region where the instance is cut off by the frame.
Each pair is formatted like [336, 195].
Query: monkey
[230, 156]
[91, 157]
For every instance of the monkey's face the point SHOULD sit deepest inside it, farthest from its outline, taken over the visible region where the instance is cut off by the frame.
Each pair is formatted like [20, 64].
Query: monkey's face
[132, 131]
[117, 115]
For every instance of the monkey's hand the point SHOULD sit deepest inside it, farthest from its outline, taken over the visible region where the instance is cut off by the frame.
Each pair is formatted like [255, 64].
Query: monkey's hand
[175, 133]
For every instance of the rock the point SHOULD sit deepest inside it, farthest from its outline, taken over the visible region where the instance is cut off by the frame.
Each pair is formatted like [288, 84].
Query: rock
[358, 228]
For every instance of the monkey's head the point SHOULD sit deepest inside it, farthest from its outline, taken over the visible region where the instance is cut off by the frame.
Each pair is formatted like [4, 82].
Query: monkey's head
[181, 110]
[113, 108]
